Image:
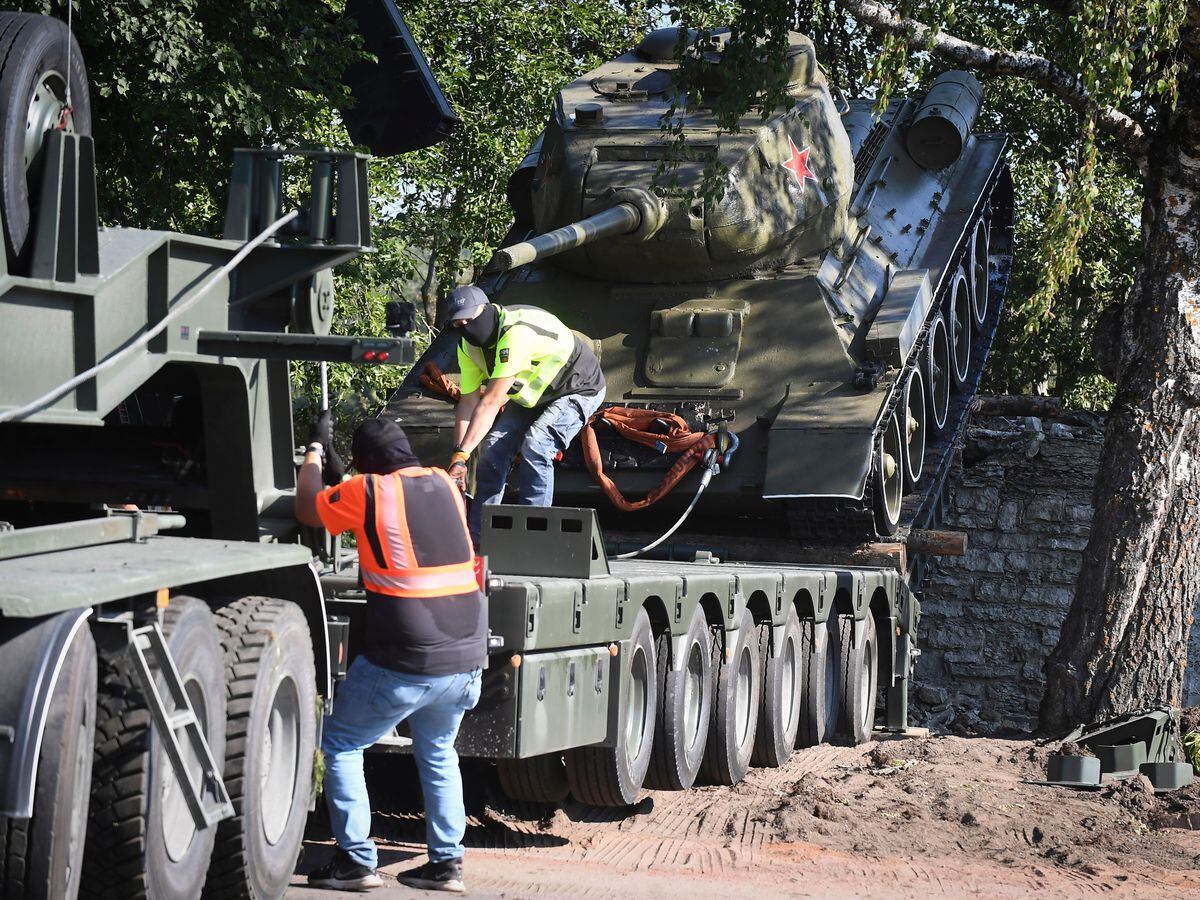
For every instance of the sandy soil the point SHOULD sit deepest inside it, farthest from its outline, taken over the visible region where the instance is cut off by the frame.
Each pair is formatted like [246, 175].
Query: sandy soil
[918, 817]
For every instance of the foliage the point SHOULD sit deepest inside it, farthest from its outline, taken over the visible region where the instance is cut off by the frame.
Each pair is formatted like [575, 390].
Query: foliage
[1191, 749]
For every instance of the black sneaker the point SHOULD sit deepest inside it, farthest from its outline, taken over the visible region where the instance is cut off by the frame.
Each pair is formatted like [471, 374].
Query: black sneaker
[342, 873]
[436, 876]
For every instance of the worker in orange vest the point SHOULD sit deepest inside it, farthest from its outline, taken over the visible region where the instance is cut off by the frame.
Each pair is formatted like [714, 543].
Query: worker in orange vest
[426, 642]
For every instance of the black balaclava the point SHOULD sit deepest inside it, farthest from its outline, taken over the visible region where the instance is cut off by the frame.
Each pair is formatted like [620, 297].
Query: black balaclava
[483, 330]
[380, 447]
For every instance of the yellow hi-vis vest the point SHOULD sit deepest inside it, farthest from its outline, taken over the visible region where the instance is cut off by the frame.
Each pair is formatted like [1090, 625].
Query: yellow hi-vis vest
[533, 347]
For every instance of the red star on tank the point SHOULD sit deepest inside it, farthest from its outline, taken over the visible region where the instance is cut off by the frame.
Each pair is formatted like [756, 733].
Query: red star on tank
[797, 164]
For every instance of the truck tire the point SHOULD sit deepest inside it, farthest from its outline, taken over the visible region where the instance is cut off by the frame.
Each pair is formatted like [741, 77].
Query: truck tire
[33, 66]
[139, 844]
[779, 713]
[819, 701]
[735, 712]
[684, 708]
[858, 679]
[270, 741]
[538, 779]
[41, 858]
[613, 776]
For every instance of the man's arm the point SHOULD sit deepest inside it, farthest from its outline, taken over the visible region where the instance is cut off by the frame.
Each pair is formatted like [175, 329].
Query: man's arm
[467, 404]
[483, 416]
[308, 485]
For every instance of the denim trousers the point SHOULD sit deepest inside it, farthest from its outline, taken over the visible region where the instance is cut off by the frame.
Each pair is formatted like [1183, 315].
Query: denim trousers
[539, 434]
[369, 704]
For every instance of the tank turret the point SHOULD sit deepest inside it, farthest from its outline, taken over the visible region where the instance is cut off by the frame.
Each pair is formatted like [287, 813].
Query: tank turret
[788, 180]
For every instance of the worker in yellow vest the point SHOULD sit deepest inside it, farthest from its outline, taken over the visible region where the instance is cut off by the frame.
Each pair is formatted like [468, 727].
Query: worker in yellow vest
[547, 380]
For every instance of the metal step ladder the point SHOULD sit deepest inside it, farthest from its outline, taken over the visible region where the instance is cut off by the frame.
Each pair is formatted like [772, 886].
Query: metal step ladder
[148, 641]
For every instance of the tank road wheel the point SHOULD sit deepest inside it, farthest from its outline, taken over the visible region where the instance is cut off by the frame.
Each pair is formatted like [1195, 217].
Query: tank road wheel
[959, 308]
[41, 858]
[684, 708]
[819, 699]
[141, 839]
[979, 274]
[270, 735]
[888, 476]
[779, 714]
[735, 713]
[858, 679]
[537, 779]
[613, 776]
[937, 381]
[913, 428]
[33, 90]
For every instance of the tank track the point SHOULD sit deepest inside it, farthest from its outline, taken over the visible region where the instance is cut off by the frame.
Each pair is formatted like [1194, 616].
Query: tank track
[842, 520]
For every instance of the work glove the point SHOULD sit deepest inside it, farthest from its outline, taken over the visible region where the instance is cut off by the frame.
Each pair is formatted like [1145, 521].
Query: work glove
[321, 431]
[457, 469]
[334, 469]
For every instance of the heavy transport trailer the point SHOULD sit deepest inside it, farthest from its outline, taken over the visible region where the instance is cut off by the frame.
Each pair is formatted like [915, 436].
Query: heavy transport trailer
[607, 677]
[164, 671]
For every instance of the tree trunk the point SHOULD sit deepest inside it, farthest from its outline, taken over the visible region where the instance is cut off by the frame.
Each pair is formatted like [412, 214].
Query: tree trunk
[1124, 641]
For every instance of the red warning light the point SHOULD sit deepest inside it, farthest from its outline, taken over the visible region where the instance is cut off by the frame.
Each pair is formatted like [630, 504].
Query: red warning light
[383, 355]
[369, 355]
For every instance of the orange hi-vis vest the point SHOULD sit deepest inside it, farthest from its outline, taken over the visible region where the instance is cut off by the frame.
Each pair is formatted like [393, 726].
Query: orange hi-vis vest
[411, 529]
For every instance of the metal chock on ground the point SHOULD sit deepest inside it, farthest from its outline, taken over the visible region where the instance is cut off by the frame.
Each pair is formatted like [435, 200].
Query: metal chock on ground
[181, 717]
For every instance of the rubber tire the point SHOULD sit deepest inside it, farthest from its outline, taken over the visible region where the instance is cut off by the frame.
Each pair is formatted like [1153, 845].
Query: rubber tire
[674, 763]
[914, 470]
[607, 776]
[125, 855]
[537, 779]
[938, 344]
[30, 44]
[726, 761]
[856, 720]
[265, 640]
[887, 521]
[814, 644]
[37, 861]
[960, 286]
[779, 713]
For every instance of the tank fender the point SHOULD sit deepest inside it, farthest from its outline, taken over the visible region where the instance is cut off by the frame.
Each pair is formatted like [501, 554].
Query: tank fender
[32, 652]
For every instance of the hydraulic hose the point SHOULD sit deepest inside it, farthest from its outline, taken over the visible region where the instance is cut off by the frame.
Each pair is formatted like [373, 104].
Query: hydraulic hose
[712, 466]
[150, 334]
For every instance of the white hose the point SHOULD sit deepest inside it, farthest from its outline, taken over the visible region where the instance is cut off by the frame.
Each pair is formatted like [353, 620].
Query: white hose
[179, 309]
[704, 480]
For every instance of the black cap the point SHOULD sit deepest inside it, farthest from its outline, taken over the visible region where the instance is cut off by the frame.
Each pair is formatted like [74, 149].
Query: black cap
[460, 303]
[380, 446]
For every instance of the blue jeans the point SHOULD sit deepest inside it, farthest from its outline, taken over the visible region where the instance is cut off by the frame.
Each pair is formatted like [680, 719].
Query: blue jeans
[539, 434]
[369, 704]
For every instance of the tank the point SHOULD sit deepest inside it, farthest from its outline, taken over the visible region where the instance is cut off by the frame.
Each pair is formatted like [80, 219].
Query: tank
[833, 308]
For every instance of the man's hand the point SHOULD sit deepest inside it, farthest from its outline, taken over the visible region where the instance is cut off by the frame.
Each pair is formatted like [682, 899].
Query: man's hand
[457, 469]
[321, 431]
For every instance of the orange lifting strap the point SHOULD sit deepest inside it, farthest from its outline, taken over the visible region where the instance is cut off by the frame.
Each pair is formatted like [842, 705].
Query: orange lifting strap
[631, 424]
[634, 425]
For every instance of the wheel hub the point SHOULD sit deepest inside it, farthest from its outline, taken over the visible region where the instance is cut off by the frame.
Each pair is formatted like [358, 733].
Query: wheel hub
[45, 113]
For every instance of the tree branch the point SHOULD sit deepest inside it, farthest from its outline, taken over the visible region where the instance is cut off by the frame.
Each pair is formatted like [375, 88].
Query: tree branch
[1016, 63]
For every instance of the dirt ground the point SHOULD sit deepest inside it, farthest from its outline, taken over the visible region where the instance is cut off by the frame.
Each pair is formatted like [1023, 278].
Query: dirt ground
[916, 817]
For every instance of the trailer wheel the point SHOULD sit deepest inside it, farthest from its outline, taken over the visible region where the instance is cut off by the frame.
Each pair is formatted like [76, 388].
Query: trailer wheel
[958, 308]
[613, 776]
[858, 679]
[33, 81]
[735, 713]
[684, 708]
[537, 779]
[42, 857]
[779, 714]
[270, 735]
[141, 840]
[819, 703]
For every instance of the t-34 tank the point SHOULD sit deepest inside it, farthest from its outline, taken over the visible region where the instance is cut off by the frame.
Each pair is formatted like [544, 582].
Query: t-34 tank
[833, 309]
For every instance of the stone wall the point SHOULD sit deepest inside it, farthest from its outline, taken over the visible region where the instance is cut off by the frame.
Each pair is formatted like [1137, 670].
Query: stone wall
[1022, 490]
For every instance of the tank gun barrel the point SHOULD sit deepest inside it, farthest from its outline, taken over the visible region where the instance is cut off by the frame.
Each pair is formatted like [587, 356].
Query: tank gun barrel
[621, 218]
